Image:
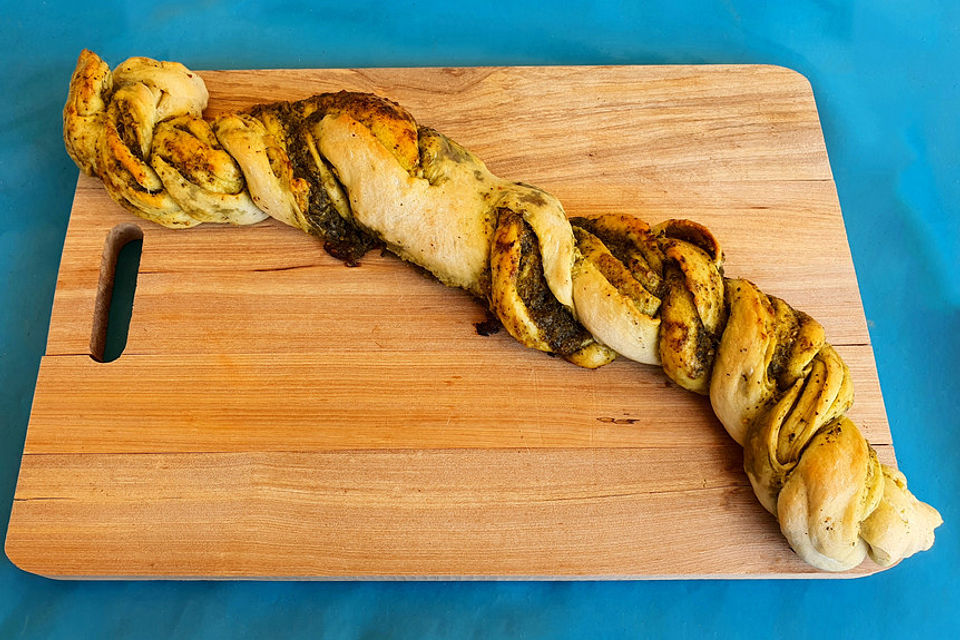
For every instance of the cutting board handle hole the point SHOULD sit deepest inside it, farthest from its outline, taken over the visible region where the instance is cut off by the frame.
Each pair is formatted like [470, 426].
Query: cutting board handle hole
[118, 282]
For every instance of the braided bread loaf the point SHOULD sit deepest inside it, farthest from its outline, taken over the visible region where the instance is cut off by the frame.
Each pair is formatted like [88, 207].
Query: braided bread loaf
[357, 171]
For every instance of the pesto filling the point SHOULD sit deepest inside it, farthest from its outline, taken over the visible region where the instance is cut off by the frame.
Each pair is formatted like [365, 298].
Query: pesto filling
[557, 326]
[342, 238]
[621, 248]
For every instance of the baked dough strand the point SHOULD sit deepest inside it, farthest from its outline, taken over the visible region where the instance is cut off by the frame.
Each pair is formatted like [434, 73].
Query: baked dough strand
[357, 171]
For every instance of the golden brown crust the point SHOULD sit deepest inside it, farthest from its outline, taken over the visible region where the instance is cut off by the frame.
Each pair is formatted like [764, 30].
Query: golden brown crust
[125, 143]
[834, 487]
[505, 299]
[615, 289]
[693, 307]
[85, 110]
[616, 273]
[777, 439]
[389, 123]
[444, 226]
[740, 384]
[199, 174]
[901, 525]
[267, 169]
[178, 90]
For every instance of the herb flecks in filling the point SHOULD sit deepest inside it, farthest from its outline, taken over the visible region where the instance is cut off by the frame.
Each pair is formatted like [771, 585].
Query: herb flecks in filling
[557, 326]
[342, 238]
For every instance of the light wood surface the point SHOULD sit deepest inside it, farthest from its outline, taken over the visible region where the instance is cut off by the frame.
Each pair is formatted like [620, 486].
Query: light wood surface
[276, 414]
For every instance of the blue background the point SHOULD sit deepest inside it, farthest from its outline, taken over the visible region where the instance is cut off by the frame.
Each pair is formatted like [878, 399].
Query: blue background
[885, 78]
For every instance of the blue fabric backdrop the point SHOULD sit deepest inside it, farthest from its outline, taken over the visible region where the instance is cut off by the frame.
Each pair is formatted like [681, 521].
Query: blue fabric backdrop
[885, 78]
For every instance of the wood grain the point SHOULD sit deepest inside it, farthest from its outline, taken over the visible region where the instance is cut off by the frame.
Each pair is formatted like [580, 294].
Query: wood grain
[276, 414]
[595, 513]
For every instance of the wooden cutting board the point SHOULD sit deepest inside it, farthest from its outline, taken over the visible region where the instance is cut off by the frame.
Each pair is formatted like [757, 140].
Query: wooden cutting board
[277, 414]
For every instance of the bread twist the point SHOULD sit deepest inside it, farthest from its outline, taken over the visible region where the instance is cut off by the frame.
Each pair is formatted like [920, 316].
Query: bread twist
[357, 171]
